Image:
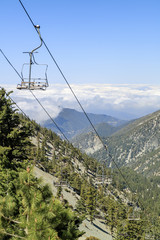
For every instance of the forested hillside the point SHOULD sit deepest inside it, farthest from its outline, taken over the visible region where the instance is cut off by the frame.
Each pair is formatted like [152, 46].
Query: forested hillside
[136, 145]
[28, 210]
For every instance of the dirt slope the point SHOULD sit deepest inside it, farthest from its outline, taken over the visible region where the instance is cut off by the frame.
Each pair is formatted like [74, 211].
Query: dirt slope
[97, 229]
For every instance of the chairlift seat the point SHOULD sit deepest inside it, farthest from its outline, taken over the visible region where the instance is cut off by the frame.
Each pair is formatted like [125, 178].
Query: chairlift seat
[134, 216]
[35, 82]
[103, 179]
[61, 184]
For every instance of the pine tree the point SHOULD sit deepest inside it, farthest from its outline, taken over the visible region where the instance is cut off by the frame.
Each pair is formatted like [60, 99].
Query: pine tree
[81, 203]
[38, 152]
[14, 142]
[43, 157]
[25, 214]
[111, 215]
[27, 208]
[131, 230]
[91, 203]
[33, 213]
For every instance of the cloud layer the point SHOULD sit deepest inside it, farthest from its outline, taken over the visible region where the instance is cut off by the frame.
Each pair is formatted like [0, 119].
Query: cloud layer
[122, 101]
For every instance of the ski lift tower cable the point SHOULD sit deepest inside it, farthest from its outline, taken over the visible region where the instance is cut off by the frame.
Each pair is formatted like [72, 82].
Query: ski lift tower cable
[79, 103]
[103, 144]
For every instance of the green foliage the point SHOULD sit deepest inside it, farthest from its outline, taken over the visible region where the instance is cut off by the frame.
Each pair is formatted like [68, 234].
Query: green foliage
[146, 189]
[13, 136]
[14, 142]
[131, 230]
[93, 202]
[33, 213]
[59, 191]
[87, 203]
[27, 208]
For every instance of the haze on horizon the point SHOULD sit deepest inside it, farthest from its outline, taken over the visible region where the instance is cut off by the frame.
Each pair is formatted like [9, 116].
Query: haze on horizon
[123, 101]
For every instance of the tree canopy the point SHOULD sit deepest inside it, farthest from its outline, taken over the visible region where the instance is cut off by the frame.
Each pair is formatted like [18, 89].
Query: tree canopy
[28, 209]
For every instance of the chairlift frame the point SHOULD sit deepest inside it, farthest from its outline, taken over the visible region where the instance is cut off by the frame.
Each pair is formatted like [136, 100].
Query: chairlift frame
[135, 214]
[132, 217]
[102, 178]
[33, 83]
[61, 184]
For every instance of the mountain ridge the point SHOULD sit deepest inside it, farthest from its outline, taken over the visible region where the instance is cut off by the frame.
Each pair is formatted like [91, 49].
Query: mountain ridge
[73, 122]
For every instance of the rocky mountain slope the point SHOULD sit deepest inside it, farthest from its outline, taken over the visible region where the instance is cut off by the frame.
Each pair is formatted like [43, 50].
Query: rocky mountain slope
[98, 229]
[87, 142]
[97, 192]
[137, 145]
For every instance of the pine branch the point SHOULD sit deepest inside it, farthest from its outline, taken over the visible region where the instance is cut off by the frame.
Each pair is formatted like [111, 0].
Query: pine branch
[12, 235]
[11, 220]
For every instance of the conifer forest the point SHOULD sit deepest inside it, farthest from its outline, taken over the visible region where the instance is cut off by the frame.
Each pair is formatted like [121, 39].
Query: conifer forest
[29, 209]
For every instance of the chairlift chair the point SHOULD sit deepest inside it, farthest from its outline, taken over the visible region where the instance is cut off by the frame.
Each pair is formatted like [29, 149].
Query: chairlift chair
[133, 217]
[61, 184]
[135, 214]
[101, 178]
[33, 82]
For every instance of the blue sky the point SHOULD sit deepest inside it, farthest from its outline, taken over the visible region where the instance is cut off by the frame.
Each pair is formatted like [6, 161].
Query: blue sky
[115, 44]
[93, 41]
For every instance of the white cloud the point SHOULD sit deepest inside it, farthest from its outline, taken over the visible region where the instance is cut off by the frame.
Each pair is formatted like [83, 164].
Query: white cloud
[118, 100]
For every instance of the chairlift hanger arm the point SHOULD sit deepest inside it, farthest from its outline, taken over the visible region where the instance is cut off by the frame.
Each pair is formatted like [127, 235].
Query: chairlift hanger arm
[37, 28]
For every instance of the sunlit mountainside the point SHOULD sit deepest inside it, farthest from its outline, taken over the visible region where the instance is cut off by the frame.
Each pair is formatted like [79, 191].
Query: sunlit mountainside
[84, 196]
[135, 145]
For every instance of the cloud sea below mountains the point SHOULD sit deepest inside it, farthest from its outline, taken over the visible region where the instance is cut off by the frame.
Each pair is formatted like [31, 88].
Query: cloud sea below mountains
[123, 101]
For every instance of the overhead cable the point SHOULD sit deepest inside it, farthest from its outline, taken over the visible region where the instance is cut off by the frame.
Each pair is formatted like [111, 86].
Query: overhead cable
[16, 105]
[61, 72]
[36, 98]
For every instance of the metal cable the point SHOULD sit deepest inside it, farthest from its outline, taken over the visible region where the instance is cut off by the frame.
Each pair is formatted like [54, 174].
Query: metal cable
[16, 105]
[61, 72]
[35, 98]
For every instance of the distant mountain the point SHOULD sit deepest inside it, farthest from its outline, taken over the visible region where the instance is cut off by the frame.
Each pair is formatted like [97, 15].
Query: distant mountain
[137, 145]
[72, 122]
